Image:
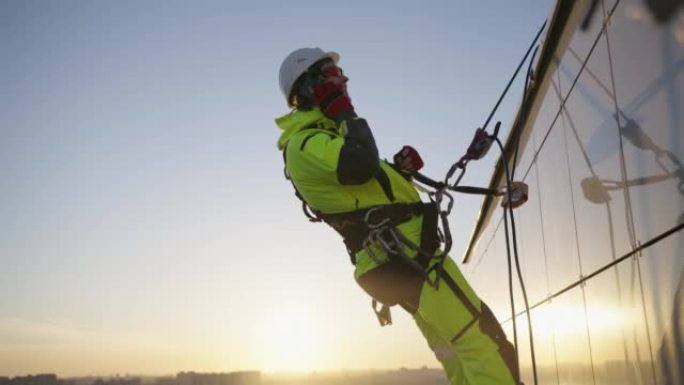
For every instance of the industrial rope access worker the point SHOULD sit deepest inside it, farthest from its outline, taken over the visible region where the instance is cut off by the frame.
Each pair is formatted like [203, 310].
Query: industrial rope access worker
[332, 160]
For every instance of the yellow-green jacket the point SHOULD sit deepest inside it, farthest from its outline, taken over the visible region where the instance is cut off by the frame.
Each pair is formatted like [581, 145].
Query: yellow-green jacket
[314, 146]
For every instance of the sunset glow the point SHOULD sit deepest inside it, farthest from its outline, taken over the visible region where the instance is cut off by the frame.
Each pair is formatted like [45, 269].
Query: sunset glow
[290, 340]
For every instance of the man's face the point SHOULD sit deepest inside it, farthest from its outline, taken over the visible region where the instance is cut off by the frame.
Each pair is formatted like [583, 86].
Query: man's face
[323, 72]
[330, 71]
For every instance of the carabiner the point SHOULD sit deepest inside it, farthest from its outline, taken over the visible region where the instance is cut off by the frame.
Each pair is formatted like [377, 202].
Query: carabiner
[367, 217]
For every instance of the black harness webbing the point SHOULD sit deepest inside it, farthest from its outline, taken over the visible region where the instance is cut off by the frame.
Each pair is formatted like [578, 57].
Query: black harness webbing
[429, 236]
[355, 226]
[463, 298]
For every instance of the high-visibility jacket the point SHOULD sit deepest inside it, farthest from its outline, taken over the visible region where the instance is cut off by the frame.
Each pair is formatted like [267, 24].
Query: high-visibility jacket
[312, 145]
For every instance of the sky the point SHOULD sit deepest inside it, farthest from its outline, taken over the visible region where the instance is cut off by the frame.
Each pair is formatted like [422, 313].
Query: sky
[145, 224]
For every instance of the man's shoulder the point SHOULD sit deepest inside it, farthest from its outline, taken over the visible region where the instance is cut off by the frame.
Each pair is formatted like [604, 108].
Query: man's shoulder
[301, 140]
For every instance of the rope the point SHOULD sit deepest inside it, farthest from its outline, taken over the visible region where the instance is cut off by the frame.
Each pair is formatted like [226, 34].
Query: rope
[509, 212]
[477, 150]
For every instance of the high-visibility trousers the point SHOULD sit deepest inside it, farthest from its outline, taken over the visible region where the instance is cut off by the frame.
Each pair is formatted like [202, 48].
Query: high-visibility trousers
[460, 329]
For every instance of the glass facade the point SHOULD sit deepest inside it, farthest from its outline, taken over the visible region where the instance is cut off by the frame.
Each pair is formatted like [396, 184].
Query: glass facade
[600, 240]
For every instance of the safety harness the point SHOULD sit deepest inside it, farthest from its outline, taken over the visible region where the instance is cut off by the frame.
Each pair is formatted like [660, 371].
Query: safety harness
[360, 228]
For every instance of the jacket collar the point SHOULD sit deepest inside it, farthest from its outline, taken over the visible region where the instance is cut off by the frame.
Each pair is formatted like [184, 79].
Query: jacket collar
[296, 121]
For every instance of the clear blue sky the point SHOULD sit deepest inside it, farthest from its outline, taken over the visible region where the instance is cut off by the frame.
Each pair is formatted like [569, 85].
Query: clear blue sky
[145, 225]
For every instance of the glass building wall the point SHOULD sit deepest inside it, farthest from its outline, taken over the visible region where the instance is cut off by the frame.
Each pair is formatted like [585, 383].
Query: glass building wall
[600, 241]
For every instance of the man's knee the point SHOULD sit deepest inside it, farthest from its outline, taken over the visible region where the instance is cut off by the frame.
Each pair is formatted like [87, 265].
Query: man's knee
[394, 283]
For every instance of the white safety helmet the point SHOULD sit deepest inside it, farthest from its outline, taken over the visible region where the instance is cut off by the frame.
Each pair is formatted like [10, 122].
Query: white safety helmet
[296, 63]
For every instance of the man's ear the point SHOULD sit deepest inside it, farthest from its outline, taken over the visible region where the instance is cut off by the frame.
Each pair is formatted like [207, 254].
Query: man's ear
[301, 103]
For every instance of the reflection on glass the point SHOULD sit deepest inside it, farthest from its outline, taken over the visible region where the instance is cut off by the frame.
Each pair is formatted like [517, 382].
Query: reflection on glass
[567, 320]
[597, 190]
[659, 271]
[614, 361]
[670, 165]
[648, 69]
[593, 143]
[670, 354]
[664, 10]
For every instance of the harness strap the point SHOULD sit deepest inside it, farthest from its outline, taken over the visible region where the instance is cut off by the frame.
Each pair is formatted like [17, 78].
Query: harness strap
[355, 226]
[429, 236]
[463, 298]
[472, 309]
